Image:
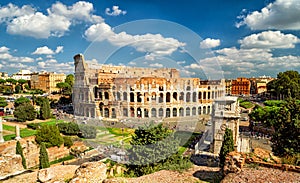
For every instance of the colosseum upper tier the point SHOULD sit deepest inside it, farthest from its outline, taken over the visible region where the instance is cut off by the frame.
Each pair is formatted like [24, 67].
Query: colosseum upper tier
[118, 92]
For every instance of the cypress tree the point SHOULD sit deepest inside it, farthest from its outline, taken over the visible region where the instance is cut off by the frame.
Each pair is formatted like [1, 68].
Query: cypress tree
[227, 146]
[44, 160]
[19, 150]
[45, 109]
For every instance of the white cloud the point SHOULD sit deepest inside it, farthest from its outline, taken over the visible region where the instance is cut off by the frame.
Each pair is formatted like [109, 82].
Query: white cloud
[193, 66]
[115, 11]
[29, 22]
[81, 11]
[11, 11]
[269, 39]
[5, 56]
[153, 44]
[280, 15]
[51, 65]
[210, 43]
[156, 65]
[4, 49]
[47, 51]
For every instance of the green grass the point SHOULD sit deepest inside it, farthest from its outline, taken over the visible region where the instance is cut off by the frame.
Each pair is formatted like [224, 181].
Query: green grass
[9, 128]
[23, 133]
[69, 157]
[118, 131]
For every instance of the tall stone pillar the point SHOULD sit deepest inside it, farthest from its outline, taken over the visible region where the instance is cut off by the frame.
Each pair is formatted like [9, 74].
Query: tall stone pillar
[17, 132]
[1, 131]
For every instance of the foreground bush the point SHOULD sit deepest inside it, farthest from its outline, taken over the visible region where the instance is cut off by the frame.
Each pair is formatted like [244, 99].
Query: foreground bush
[50, 135]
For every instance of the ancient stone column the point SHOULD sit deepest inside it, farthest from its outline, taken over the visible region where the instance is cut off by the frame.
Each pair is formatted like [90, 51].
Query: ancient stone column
[1, 131]
[17, 133]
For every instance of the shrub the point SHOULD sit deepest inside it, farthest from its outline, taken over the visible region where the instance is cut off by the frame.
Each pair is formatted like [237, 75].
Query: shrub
[25, 112]
[87, 131]
[43, 158]
[49, 134]
[33, 126]
[68, 141]
[227, 146]
[69, 128]
[19, 150]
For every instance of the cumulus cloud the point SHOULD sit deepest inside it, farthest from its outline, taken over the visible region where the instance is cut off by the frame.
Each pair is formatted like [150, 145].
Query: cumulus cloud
[156, 65]
[193, 66]
[280, 15]
[210, 43]
[153, 44]
[29, 22]
[6, 56]
[47, 51]
[114, 11]
[269, 39]
[53, 65]
[4, 49]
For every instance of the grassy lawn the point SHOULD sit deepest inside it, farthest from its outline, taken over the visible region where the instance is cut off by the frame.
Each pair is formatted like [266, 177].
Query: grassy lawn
[23, 133]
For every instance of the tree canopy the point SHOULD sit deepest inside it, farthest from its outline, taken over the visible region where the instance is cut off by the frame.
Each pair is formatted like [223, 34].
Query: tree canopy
[20, 101]
[154, 148]
[24, 112]
[284, 118]
[3, 102]
[288, 81]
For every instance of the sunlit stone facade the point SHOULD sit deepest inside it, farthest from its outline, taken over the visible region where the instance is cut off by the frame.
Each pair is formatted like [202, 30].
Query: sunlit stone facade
[118, 92]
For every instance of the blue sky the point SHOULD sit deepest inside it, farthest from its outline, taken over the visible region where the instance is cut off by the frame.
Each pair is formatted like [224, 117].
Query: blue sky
[207, 39]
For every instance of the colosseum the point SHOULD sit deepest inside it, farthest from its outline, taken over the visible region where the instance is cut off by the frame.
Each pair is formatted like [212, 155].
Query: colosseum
[121, 92]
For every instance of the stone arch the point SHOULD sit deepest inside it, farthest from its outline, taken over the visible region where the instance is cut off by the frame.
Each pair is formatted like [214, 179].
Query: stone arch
[168, 112]
[174, 112]
[187, 111]
[132, 112]
[181, 96]
[208, 109]
[188, 97]
[181, 111]
[125, 112]
[125, 96]
[194, 96]
[113, 113]
[204, 109]
[118, 96]
[194, 112]
[168, 97]
[139, 112]
[160, 112]
[153, 112]
[132, 97]
[106, 112]
[175, 96]
[106, 95]
[199, 110]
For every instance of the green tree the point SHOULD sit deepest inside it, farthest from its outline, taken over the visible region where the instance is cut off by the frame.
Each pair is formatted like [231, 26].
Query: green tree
[50, 135]
[45, 112]
[285, 82]
[2, 81]
[64, 87]
[43, 158]
[227, 146]
[20, 101]
[22, 82]
[3, 102]
[19, 150]
[18, 89]
[70, 79]
[25, 112]
[151, 148]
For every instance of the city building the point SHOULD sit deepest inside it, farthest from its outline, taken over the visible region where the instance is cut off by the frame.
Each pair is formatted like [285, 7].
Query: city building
[259, 85]
[46, 81]
[22, 74]
[116, 92]
[228, 86]
[240, 86]
[3, 75]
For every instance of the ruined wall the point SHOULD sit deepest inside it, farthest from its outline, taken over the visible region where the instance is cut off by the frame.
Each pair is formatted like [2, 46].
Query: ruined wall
[31, 151]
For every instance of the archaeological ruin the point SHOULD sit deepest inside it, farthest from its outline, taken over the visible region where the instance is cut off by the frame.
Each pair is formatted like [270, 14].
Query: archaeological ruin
[120, 92]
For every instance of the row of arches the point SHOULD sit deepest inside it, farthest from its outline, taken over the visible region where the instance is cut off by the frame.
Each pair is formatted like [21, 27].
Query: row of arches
[154, 112]
[160, 97]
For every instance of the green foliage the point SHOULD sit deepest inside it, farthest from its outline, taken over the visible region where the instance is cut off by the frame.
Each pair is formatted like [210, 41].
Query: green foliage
[246, 104]
[3, 102]
[286, 82]
[227, 146]
[43, 158]
[67, 141]
[291, 159]
[20, 101]
[88, 132]
[2, 81]
[49, 134]
[153, 148]
[69, 128]
[24, 112]
[70, 79]
[11, 80]
[19, 150]
[45, 112]
[18, 89]
[271, 103]
[65, 88]
[66, 158]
